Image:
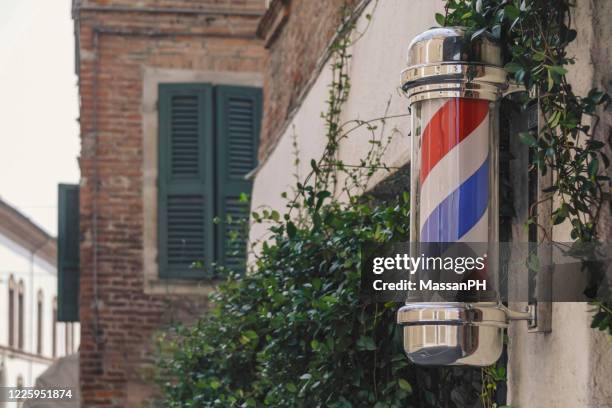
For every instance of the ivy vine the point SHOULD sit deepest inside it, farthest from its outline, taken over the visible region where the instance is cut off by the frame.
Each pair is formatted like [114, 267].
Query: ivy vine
[534, 35]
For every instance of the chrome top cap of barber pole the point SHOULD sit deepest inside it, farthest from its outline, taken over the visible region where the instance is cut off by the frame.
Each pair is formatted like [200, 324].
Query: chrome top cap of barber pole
[444, 62]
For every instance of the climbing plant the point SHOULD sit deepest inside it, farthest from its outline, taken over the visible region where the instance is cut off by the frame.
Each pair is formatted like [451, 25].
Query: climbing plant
[293, 332]
[535, 35]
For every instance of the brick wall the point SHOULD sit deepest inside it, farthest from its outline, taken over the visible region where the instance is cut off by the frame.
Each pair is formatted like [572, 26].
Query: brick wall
[295, 47]
[114, 47]
[173, 5]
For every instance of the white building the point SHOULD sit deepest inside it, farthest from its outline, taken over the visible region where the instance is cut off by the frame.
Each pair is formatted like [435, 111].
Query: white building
[30, 337]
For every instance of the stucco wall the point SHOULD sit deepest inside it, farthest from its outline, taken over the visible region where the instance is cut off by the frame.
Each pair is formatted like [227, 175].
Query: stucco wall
[378, 58]
[570, 366]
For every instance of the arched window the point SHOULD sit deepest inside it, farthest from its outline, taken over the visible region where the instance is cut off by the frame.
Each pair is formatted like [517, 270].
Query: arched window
[39, 322]
[20, 316]
[11, 312]
[54, 328]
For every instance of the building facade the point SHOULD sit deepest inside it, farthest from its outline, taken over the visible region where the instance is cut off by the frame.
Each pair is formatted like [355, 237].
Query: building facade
[30, 337]
[170, 95]
[558, 365]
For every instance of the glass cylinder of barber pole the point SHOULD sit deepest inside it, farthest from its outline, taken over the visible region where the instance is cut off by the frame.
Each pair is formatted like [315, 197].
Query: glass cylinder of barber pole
[453, 83]
[454, 208]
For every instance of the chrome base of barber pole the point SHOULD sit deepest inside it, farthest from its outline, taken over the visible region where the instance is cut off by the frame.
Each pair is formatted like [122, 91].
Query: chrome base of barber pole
[457, 333]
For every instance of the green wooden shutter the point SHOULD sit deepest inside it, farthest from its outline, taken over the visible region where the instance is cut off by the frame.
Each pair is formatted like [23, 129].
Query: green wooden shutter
[185, 180]
[238, 115]
[68, 253]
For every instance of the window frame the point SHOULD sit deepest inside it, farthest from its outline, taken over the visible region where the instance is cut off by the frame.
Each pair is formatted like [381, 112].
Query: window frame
[214, 162]
[152, 77]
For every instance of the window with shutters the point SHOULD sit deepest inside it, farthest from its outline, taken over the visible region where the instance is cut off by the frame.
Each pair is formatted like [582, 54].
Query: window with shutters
[68, 246]
[208, 139]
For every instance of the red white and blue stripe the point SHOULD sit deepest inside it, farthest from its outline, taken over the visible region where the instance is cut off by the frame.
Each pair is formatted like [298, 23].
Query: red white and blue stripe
[454, 174]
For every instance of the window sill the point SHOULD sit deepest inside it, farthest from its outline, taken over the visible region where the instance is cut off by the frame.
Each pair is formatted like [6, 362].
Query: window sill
[171, 287]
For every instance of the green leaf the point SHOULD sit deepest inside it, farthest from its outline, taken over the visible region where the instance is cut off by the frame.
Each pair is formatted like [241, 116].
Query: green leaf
[533, 262]
[291, 229]
[557, 69]
[248, 337]
[366, 343]
[315, 167]
[404, 385]
[558, 217]
[500, 373]
[605, 323]
[321, 196]
[593, 167]
[528, 139]
[440, 19]
[595, 144]
[512, 12]
[550, 82]
[513, 67]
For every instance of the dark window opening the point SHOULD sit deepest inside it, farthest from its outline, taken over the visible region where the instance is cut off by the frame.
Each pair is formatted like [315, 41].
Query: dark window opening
[20, 317]
[39, 323]
[11, 313]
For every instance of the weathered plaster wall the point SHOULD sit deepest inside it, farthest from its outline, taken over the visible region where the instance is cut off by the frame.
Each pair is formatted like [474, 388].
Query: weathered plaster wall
[378, 58]
[570, 366]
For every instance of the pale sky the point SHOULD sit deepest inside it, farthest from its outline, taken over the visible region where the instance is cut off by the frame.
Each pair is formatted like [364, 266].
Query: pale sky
[39, 141]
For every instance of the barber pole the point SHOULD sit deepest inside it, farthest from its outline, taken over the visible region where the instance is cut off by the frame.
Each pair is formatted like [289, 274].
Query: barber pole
[454, 83]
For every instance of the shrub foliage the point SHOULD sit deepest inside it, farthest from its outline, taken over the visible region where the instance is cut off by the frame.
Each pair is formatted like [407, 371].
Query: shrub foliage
[294, 332]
